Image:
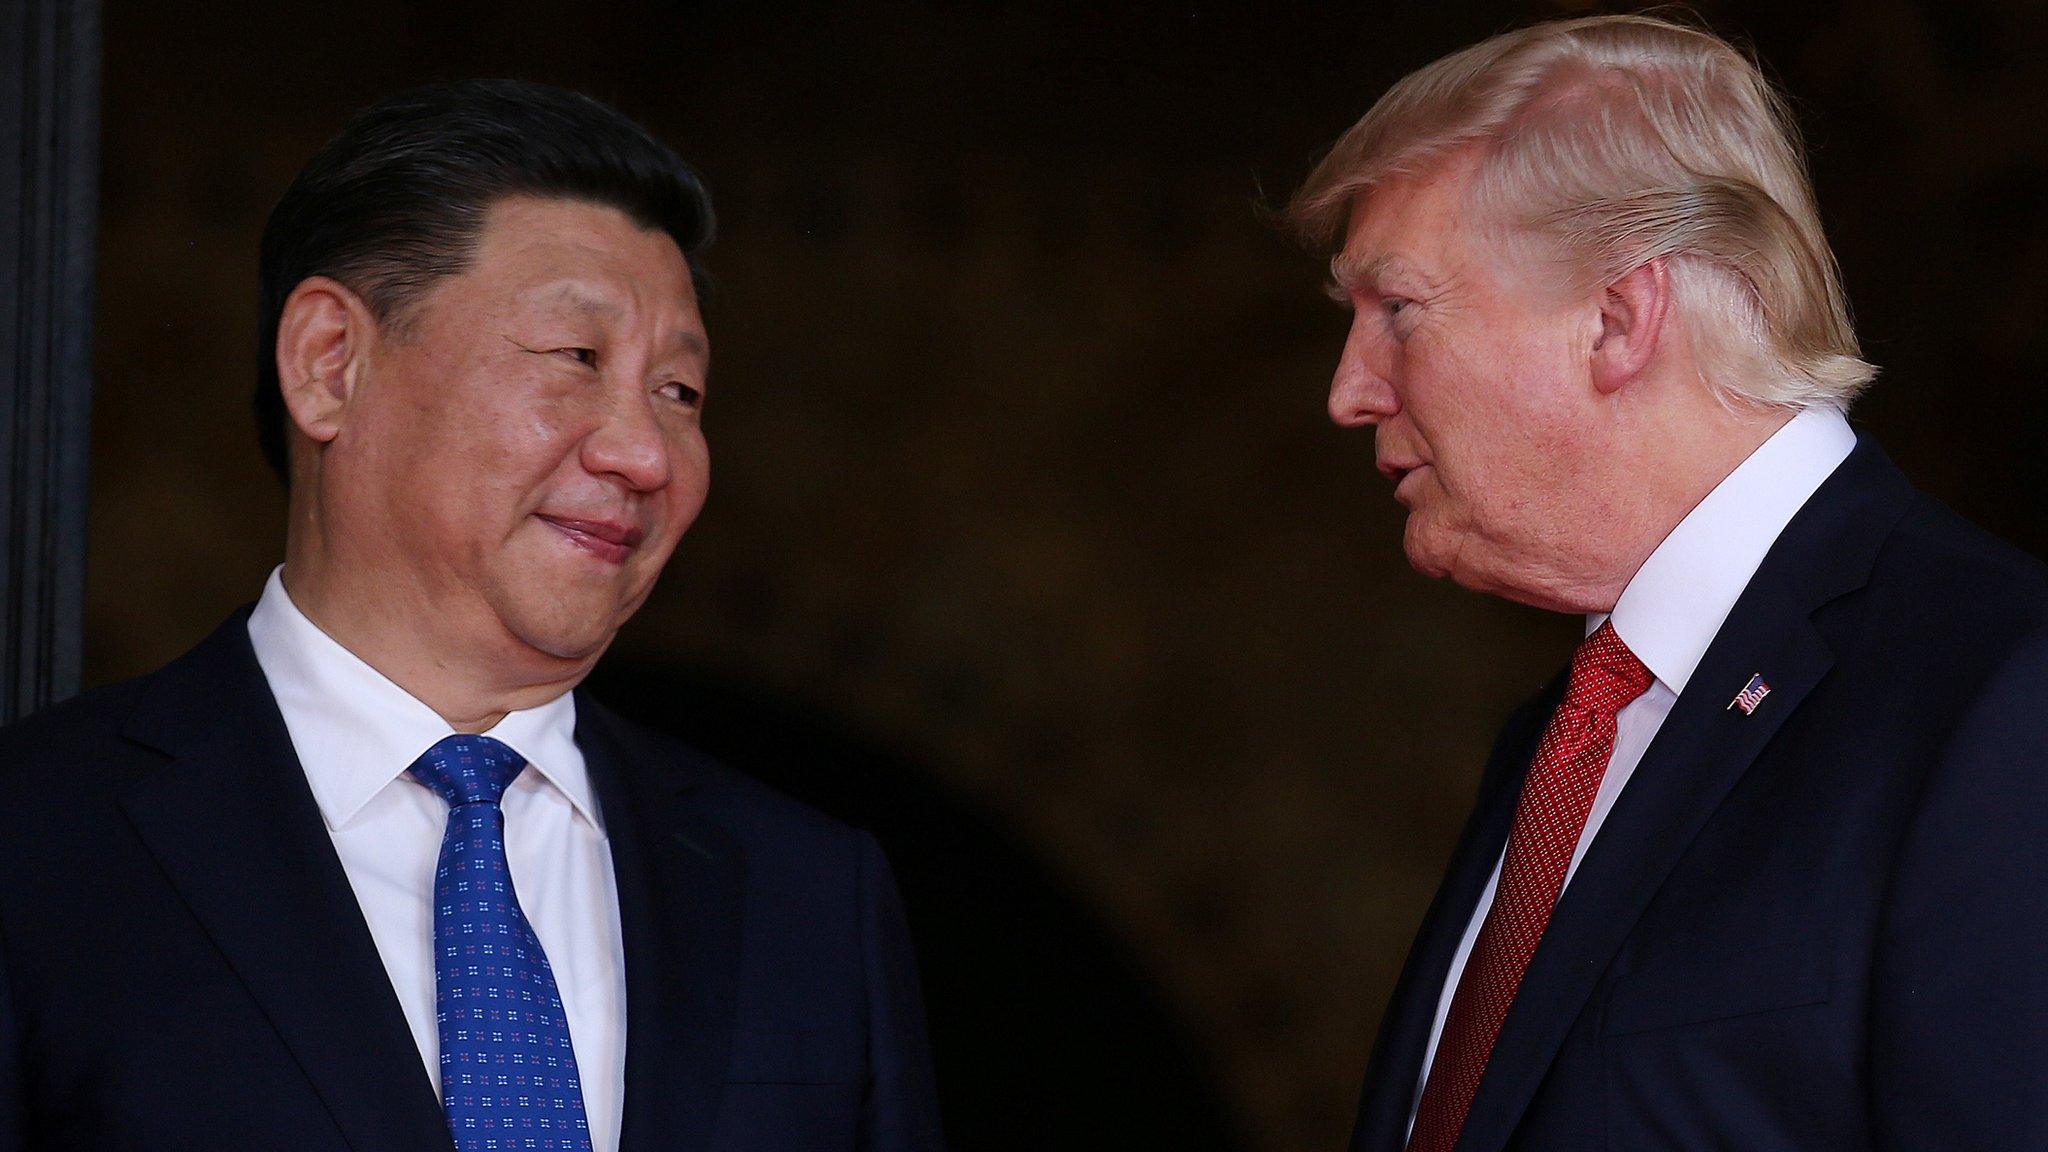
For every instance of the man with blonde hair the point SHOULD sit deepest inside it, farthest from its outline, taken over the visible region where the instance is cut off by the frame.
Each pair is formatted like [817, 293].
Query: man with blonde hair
[1763, 868]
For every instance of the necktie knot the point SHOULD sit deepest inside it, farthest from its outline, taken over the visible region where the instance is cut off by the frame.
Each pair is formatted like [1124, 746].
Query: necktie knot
[468, 769]
[1605, 675]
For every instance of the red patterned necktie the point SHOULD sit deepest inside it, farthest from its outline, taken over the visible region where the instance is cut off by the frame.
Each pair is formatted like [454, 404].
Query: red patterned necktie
[1556, 796]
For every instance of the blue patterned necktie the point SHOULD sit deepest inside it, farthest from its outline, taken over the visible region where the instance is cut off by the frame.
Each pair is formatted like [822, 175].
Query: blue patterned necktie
[508, 1074]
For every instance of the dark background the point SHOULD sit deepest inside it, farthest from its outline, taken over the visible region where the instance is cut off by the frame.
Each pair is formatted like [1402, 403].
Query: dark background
[1029, 544]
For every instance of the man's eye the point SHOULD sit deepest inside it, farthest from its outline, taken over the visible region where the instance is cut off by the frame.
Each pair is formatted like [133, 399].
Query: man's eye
[682, 393]
[1395, 305]
[584, 356]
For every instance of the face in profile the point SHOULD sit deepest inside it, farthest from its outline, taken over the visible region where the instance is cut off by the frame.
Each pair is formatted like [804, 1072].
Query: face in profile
[1476, 385]
[523, 449]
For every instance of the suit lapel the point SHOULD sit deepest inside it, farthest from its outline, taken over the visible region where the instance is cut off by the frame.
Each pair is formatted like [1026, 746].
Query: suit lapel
[1396, 1068]
[1698, 756]
[679, 880]
[234, 826]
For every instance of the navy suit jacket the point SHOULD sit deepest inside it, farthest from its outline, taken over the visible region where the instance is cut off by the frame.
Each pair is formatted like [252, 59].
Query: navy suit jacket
[183, 964]
[1822, 926]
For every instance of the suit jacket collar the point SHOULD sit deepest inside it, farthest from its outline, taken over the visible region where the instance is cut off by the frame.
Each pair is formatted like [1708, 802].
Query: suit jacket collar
[1703, 749]
[235, 827]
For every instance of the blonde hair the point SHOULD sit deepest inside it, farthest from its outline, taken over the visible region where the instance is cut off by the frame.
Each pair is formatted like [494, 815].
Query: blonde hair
[1613, 141]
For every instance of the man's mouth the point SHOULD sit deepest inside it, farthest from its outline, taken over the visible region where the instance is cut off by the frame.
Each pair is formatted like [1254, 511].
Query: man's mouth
[1399, 472]
[1395, 469]
[607, 540]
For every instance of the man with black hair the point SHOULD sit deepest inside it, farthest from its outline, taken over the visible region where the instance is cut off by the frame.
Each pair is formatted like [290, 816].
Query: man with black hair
[363, 870]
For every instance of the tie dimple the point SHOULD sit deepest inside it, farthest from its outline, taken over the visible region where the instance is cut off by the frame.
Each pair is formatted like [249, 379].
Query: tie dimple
[508, 1070]
[1605, 675]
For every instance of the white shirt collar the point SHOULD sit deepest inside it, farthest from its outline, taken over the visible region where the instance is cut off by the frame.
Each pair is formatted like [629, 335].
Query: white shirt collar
[1678, 599]
[355, 731]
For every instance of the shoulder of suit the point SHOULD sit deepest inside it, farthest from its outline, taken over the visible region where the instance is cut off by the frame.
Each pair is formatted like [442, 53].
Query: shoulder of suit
[63, 769]
[1932, 533]
[1962, 580]
[69, 731]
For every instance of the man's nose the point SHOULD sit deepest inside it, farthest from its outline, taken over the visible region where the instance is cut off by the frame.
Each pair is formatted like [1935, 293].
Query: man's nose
[1360, 395]
[630, 443]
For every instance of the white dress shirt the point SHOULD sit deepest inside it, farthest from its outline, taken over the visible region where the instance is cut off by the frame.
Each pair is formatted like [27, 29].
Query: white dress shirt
[1673, 607]
[356, 733]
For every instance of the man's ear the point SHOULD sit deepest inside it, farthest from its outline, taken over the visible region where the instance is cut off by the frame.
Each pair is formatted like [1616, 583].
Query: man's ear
[323, 337]
[1632, 314]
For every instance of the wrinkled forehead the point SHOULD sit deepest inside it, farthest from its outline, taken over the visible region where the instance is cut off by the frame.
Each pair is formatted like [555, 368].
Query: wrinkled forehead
[1409, 224]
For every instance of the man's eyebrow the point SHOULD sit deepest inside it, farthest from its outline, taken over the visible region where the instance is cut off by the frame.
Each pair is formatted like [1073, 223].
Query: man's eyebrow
[582, 300]
[1351, 272]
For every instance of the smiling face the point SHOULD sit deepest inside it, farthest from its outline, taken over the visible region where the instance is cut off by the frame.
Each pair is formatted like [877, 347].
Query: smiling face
[517, 458]
[1476, 381]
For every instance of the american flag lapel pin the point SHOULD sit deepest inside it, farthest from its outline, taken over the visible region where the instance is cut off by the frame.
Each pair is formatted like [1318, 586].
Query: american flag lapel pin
[1751, 695]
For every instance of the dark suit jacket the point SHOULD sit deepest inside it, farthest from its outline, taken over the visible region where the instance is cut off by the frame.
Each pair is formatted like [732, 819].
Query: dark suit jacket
[183, 964]
[1823, 926]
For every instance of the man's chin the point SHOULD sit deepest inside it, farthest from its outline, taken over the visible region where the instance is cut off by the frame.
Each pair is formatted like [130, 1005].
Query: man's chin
[1433, 569]
[565, 628]
[1451, 556]
[567, 649]
[1425, 550]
